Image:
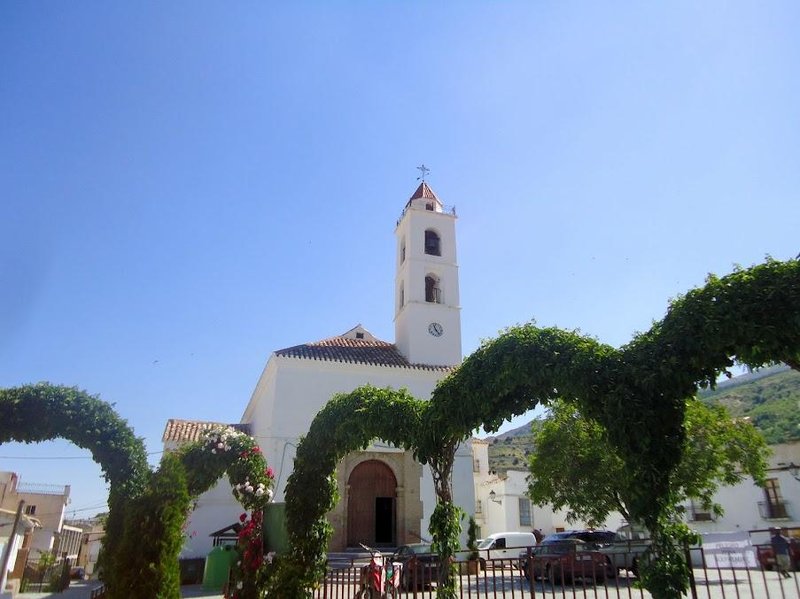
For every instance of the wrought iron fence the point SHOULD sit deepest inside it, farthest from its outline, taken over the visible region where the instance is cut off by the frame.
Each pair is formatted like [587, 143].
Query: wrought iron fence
[732, 573]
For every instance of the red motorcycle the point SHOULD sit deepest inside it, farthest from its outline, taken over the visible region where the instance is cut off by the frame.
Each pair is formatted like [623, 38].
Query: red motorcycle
[380, 578]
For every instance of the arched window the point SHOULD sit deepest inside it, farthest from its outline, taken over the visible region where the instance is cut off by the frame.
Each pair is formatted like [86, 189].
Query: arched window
[402, 250]
[433, 293]
[433, 244]
[402, 298]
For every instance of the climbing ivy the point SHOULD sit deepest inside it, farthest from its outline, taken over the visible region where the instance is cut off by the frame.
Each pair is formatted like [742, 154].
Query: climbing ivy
[347, 423]
[146, 509]
[638, 393]
[43, 412]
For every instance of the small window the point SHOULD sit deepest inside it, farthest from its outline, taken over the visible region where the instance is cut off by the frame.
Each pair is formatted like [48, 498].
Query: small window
[774, 507]
[525, 512]
[432, 243]
[402, 298]
[30, 510]
[359, 335]
[429, 206]
[402, 251]
[476, 465]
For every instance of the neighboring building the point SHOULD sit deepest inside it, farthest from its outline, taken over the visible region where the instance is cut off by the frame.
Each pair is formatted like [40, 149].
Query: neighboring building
[92, 533]
[44, 502]
[386, 497]
[502, 504]
[20, 541]
[749, 507]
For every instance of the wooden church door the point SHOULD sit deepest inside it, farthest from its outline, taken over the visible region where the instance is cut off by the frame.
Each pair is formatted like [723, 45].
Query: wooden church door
[371, 505]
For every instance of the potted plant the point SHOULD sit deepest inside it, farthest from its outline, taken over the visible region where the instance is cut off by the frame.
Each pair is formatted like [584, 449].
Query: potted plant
[473, 561]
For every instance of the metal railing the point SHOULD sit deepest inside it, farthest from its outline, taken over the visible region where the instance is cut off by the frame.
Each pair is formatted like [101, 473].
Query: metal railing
[778, 510]
[731, 573]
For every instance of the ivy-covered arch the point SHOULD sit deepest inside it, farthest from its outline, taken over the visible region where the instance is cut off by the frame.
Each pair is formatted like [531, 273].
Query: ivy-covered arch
[43, 412]
[347, 423]
[637, 392]
[153, 535]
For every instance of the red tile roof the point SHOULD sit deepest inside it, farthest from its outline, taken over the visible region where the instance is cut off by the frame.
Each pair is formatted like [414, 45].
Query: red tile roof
[186, 431]
[355, 351]
[423, 192]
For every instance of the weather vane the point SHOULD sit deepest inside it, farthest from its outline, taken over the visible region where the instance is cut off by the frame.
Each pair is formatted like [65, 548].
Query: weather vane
[424, 170]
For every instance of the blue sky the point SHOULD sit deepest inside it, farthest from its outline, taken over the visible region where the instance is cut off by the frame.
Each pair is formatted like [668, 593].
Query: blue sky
[188, 186]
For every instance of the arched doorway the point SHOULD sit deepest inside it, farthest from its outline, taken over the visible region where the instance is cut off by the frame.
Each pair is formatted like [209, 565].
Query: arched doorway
[371, 505]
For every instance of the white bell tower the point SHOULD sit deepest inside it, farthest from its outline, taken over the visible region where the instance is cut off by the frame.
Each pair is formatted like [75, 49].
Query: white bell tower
[427, 322]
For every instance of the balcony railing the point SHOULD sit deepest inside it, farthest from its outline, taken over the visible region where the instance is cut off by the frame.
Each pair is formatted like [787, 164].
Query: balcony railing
[774, 510]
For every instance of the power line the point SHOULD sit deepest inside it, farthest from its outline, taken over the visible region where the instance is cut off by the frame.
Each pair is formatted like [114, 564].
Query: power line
[78, 457]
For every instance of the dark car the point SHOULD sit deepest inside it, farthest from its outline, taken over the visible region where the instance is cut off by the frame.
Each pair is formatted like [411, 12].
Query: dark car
[621, 553]
[77, 573]
[420, 566]
[564, 560]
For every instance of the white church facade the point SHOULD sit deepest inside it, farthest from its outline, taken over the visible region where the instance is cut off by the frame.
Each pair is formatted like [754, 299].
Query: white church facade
[386, 497]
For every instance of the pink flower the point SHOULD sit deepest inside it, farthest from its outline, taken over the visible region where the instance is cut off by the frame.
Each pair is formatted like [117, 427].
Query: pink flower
[270, 472]
[243, 517]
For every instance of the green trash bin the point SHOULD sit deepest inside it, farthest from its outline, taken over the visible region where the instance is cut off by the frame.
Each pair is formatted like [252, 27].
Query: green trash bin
[218, 566]
[276, 538]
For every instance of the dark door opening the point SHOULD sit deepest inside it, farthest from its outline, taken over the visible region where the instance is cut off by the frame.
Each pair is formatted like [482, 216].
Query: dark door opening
[384, 520]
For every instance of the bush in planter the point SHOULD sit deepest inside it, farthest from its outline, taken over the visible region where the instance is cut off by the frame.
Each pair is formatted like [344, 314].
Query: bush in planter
[472, 539]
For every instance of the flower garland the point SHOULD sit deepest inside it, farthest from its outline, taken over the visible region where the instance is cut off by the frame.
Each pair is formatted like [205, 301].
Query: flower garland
[251, 479]
[253, 566]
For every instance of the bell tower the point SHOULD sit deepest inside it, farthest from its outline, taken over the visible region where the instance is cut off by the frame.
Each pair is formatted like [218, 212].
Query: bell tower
[427, 321]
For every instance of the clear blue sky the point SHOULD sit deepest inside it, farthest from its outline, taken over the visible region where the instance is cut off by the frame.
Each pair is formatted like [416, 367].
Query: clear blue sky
[188, 186]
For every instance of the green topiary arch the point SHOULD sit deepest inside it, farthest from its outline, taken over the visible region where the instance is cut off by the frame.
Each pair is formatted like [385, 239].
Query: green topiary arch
[147, 509]
[637, 392]
[347, 423]
[153, 535]
[43, 412]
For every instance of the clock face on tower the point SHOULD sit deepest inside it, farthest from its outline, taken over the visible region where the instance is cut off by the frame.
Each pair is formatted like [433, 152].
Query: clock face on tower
[435, 329]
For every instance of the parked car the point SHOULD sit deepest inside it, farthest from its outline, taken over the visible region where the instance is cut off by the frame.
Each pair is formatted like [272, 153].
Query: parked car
[621, 553]
[420, 566]
[564, 560]
[504, 545]
[77, 573]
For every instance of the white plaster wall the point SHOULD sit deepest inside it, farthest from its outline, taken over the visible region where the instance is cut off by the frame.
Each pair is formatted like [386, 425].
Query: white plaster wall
[216, 509]
[740, 501]
[299, 389]
[504, 516]
[292, 391]
[50, 512]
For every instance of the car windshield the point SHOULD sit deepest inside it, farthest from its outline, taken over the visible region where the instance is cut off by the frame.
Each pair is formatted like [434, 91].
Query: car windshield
[600, 537]
[555, 546]
[485, 544]
[419, 549]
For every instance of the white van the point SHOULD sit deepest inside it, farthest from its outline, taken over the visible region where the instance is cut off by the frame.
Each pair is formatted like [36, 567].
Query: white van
[505, 545]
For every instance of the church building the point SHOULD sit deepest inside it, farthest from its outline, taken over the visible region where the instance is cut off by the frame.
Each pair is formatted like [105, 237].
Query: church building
[386, 497]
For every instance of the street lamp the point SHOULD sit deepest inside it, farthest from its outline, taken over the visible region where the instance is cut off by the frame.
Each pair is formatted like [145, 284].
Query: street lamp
[493, 497]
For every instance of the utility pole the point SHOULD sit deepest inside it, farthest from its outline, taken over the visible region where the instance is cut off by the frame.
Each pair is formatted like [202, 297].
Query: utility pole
[7, 552]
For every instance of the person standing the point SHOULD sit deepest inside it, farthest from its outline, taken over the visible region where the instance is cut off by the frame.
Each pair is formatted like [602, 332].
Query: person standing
[780, 547]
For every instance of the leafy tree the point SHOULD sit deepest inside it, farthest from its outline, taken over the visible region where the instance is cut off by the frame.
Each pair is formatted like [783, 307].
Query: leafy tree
[577, 468]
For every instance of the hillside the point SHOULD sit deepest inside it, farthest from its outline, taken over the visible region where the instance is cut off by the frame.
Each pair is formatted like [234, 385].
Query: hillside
[772, 402]
[769, 397]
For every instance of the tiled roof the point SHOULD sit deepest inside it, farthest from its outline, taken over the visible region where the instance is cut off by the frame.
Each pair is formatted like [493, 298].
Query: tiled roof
[424, 192]
[355, 351]
[185, 431]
